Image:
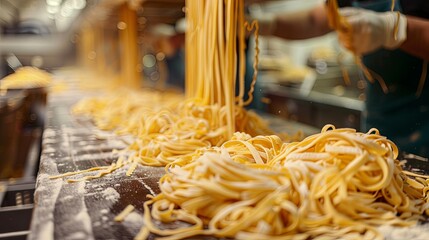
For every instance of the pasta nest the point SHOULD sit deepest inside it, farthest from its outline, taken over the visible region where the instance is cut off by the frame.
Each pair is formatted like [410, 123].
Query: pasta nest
[336, 184]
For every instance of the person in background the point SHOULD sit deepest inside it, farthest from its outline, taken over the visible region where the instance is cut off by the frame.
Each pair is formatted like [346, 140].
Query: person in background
[176, 63]
[167, 43]
[401, 114]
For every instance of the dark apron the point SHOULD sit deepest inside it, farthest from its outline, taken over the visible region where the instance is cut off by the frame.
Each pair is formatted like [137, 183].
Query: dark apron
[400, 115]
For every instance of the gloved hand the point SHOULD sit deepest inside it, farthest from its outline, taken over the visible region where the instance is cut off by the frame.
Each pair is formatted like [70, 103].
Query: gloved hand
[372, 30]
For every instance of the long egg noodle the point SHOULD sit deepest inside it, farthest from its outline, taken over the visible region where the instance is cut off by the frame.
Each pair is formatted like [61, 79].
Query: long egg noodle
[338, 184]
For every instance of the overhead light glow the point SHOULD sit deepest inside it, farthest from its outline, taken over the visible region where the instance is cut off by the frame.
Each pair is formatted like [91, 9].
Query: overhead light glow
[149, 60]
[121, 25]
[160, 56]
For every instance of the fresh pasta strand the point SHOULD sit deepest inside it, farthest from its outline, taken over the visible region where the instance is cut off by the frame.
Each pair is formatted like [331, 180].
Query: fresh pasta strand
[254, 25]
[344, 71]
[396, 28]
[121, 216]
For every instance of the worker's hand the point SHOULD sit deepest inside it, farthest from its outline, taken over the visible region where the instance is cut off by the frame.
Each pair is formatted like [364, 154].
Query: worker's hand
[371, 30]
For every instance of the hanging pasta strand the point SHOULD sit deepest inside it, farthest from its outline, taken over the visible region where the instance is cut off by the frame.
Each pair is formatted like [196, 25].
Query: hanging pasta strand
[255, 27]
[344, 70]
[242, 57]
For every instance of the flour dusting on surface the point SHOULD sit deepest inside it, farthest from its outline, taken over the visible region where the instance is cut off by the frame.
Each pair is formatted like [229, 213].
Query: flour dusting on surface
[418, 232]
[83, 218]
[111, 194]
[147, 187]
[46, 231]
[134, 220]
[104, 211]
[76, 236]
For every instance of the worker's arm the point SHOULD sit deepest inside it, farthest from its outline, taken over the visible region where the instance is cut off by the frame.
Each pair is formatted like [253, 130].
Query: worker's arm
[302, 25]
[417, 42]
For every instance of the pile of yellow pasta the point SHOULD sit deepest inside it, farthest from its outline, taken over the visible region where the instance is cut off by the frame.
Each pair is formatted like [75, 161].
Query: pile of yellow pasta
[165, 127]
[336, 184]
[26, 77]
[211, 112]
[122, 110]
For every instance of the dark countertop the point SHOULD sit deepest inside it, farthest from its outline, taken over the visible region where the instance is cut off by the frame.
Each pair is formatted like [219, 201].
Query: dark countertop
[85, 210]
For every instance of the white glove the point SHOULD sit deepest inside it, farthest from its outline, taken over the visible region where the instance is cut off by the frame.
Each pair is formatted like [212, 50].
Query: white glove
[372, 30]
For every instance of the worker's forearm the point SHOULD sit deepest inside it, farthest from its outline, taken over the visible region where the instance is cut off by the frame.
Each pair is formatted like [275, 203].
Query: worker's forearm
[302, 25]
[417, 42]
